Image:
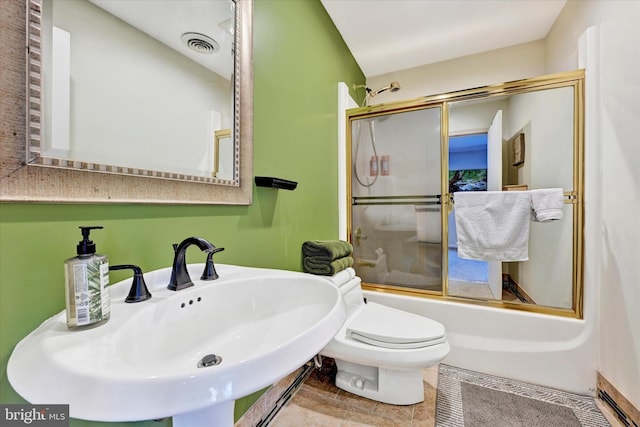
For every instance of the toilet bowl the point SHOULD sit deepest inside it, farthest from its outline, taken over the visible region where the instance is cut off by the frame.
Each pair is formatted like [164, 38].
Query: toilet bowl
[380, 351]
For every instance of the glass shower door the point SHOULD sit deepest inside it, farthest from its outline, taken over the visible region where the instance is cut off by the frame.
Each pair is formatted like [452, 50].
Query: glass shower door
[396, 187]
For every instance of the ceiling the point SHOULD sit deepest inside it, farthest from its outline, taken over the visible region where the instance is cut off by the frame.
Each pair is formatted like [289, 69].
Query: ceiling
[390, 35]
[167, 20]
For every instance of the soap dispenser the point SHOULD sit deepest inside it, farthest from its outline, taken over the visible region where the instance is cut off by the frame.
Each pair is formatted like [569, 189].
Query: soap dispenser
[87, 281]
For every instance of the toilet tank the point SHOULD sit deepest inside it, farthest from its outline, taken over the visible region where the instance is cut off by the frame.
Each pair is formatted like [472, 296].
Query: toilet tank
[352, 294]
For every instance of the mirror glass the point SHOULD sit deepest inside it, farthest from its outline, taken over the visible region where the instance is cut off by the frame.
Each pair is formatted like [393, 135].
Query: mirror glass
[484, 136]
[409, 160]
[139, 87]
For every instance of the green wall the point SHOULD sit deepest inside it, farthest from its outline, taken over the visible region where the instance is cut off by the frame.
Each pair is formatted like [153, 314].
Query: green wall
[299, 57]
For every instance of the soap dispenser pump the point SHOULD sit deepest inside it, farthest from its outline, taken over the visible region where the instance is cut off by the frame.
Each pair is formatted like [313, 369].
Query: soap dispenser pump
[87, 281]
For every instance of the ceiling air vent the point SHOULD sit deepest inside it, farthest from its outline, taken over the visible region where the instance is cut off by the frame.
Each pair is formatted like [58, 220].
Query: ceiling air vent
[200, 43]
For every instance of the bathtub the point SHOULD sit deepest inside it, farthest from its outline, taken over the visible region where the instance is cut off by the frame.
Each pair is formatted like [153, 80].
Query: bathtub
[551, 351]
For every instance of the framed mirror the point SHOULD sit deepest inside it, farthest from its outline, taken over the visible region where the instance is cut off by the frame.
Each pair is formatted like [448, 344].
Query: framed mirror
[127, 102]
[410, 159]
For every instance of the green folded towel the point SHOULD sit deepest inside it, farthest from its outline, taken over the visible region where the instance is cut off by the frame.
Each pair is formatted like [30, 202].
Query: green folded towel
[326, 267]
[332, 249]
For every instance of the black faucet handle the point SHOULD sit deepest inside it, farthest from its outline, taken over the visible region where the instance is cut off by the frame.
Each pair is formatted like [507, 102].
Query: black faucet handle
[209, 272]
[139, 291]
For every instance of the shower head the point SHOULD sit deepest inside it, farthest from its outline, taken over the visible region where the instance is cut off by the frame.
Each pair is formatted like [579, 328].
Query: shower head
[394, 86]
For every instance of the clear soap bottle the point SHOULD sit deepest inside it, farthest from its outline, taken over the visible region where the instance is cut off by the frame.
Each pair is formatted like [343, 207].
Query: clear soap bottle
[87, 285]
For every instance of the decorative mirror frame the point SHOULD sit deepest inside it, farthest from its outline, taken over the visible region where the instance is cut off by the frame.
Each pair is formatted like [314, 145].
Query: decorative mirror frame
[575, 80]
[53, 180]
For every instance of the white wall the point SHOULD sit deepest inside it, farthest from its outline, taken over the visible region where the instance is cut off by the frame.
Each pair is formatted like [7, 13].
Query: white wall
[106, 53]
[613, 156]
[546, 119]
[466, 117]
[497, 66]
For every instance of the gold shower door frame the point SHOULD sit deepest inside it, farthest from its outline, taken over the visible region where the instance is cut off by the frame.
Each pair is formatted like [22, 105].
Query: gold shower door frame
[574, 79]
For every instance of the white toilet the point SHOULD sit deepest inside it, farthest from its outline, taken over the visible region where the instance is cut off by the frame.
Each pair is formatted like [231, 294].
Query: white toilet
[380, 351]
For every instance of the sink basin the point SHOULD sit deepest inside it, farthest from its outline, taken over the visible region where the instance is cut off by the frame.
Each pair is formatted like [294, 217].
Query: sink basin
[146, 362]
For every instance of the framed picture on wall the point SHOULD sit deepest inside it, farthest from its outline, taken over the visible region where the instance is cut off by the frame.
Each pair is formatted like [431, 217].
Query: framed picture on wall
[517, 148]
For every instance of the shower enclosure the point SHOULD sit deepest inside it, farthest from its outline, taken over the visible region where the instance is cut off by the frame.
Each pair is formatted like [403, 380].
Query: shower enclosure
[407, 159]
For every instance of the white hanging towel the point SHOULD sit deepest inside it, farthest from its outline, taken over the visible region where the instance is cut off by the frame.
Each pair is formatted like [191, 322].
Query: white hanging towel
[547, 204]
[493, 225]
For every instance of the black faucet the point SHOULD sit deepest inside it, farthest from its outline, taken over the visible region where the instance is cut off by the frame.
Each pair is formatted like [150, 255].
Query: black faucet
[180, 278]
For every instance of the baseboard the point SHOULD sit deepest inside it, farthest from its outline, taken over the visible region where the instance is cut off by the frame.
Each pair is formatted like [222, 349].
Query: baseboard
[627, 413]
[514, 287]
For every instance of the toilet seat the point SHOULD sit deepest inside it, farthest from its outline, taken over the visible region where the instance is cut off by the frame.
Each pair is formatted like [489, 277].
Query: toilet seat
[387, 327]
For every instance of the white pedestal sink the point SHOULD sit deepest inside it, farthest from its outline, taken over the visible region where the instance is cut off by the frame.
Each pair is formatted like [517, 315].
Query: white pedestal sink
[146, 361]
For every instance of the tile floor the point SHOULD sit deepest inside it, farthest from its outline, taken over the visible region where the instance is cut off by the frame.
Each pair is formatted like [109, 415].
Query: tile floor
[319, 403]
